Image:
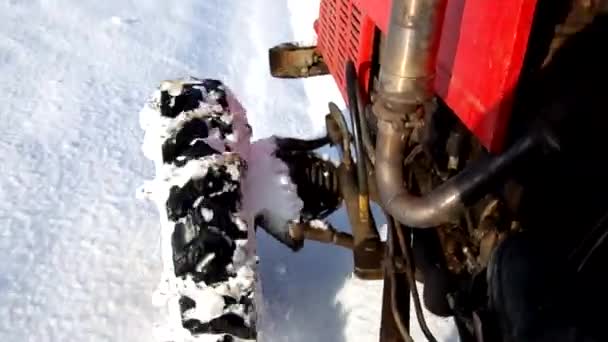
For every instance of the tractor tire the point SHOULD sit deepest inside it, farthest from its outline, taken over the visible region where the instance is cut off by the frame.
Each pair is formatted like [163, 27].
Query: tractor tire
[195, 133]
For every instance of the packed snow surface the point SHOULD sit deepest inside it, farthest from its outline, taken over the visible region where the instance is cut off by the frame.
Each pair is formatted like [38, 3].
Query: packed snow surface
[81, 256]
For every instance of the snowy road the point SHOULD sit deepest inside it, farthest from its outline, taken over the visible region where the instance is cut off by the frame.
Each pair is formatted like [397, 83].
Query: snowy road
[80, 255]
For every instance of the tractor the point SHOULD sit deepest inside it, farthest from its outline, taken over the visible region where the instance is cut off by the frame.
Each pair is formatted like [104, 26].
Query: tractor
[471, 123]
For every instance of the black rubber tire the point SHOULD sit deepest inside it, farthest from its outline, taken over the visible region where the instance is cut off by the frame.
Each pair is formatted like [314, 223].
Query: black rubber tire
[203, 227]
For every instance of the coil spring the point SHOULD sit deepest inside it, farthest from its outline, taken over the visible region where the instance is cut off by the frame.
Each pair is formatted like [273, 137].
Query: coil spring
[323, 174]
[317, 183]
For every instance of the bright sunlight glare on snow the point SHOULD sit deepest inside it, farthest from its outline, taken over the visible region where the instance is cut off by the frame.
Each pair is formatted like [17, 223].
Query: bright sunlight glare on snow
[81, 255]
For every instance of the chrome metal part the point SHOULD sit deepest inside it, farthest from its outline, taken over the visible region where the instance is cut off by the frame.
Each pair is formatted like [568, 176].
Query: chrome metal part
[408, 60]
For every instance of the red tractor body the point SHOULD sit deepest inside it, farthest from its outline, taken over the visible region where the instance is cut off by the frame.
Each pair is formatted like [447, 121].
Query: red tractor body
[459, 179]
[481, 53]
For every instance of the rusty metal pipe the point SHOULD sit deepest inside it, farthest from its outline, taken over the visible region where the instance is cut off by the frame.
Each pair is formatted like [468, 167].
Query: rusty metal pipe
[408, 60]
[304, 231]
[413, 211]
[405, 82]
[445, 202]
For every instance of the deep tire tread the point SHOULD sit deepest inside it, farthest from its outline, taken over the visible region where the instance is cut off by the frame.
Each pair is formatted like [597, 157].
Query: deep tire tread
[208, 235]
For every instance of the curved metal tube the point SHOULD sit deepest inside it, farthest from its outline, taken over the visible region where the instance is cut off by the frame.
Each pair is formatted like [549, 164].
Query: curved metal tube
[354, 104]
[445, 202]
[405, 81]
[421, 212]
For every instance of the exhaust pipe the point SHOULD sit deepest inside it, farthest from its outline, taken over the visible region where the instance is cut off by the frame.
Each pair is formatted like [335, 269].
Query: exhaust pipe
[409, 58]
[405, 82]
[444, 203]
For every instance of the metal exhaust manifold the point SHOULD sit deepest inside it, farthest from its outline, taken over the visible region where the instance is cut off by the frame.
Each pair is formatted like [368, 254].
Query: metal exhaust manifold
[406, 82]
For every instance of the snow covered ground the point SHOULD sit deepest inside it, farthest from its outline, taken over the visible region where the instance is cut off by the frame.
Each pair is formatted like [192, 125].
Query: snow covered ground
[80, 255]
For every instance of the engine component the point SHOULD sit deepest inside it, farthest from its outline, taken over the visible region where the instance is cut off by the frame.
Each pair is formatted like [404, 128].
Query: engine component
[405, 83]
[408, 60]
[445, 202]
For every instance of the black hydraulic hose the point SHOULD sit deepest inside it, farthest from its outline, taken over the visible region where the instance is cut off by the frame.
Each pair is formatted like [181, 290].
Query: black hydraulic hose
[406, 249]
[397, 315]
[370, 149]
[293, 144]
[352, 88]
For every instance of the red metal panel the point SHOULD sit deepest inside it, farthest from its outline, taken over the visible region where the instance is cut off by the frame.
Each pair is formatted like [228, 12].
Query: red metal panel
[379, 11]
[481, 54]
[480, 57]
[345, 32]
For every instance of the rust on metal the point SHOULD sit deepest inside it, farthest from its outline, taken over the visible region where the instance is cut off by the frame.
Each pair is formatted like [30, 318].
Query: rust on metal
[329, 235]
[368, 248]
[289, 60]
[363, 208]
